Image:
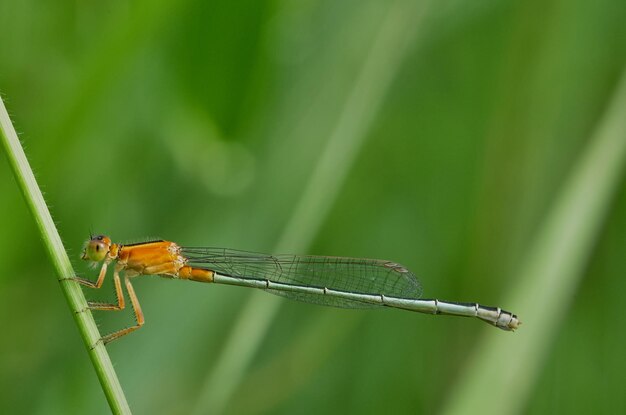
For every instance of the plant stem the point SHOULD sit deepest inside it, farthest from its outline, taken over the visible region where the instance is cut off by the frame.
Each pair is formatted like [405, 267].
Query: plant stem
[52, 241]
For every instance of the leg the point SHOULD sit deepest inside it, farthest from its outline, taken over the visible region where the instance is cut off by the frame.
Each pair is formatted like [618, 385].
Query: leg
[138, 316]
[91, 284]
[118, 290]
[92, 305]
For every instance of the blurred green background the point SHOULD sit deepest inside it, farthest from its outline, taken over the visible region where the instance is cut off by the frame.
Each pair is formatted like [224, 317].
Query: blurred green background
[440, 135]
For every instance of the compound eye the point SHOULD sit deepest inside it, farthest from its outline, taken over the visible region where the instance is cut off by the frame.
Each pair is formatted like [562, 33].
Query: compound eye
[96, 250]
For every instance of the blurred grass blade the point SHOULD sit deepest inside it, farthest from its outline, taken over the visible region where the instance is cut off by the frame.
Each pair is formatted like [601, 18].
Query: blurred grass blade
[502, 373]
[384, 58]
[58, 256]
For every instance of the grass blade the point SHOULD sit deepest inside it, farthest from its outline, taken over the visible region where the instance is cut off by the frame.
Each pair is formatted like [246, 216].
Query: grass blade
[362, 104]
[52, 241]
[501, 374]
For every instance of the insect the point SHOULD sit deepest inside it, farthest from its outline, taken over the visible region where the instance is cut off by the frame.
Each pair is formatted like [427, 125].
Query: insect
[326, 280]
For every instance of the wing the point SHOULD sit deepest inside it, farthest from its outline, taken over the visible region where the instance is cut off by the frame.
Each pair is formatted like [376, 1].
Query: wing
[355, 275]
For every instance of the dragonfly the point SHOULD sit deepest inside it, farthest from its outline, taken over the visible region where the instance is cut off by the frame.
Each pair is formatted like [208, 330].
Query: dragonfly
[325, 280]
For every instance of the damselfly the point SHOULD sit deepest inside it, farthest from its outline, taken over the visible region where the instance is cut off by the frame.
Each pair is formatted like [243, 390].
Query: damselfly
[326, 280]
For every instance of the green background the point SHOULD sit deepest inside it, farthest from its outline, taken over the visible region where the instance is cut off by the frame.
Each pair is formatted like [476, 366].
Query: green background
[438, 135]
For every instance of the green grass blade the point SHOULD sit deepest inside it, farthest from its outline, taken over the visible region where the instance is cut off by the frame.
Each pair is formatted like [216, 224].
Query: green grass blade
[52, 241]
[501, 375]
[384, 58]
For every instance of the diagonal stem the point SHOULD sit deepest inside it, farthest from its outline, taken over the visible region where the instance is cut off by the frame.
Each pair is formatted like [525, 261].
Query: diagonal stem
[52, 241]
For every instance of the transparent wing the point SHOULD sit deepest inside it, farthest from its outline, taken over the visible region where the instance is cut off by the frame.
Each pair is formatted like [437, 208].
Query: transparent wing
[355, 275]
